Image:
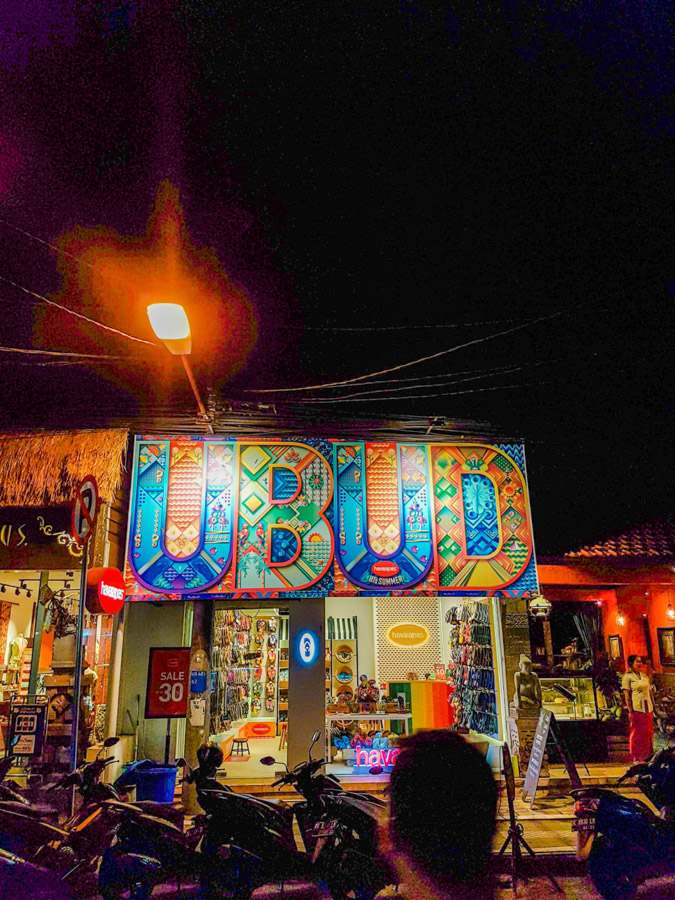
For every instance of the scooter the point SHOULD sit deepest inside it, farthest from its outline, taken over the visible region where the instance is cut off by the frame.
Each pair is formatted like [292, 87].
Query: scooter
[151, 846]
[73, 850]
[624, 841]
[254, 837]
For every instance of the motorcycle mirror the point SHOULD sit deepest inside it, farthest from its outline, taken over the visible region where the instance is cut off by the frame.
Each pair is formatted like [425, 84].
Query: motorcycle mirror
[315, 737]
[376, 770]
[111, 741]
[181, 763]
[268, 761]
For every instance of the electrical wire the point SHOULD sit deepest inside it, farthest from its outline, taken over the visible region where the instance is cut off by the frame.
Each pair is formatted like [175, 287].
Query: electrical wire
[415, 362]
[407, 327]
[57, 353]
[78, 315]
[505, 370]
[501, 387]
[45, 243]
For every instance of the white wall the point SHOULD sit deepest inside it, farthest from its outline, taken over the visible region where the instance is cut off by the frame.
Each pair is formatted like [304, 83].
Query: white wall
[363, 609]
[145, 626]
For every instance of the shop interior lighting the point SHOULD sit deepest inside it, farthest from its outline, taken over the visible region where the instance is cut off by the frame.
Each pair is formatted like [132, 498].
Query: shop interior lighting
[539, 607]
[670, 612]
[620, 618]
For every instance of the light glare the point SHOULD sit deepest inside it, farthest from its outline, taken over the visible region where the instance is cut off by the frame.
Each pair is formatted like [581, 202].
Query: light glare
[169, 321]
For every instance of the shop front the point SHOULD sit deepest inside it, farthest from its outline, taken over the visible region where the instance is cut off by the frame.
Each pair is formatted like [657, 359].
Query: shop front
[352, 587]
[40, 567]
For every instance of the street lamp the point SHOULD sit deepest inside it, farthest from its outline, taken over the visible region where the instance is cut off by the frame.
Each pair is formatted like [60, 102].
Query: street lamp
[170, 323]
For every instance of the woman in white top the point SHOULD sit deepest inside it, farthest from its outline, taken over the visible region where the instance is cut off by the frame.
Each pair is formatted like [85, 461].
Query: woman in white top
[637, 689]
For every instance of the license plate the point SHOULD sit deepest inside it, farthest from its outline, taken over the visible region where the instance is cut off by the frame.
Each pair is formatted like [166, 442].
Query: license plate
[585, 823]
[324, 829]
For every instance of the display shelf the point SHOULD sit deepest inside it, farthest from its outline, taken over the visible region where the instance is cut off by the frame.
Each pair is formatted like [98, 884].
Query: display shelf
[583, 707]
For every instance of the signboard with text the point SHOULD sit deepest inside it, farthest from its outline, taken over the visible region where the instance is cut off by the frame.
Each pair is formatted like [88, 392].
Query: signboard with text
[328, 517]
[167, 689]
[37, 538]
[28, 725]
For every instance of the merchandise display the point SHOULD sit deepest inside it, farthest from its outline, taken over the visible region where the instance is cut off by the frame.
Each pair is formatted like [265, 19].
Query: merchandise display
[471, 667]
[245, 669]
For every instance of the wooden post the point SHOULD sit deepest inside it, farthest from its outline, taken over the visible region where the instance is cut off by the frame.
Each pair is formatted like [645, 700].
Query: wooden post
[200, 658]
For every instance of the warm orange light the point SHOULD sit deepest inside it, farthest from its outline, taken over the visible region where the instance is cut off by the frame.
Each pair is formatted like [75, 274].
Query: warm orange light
[170, 324]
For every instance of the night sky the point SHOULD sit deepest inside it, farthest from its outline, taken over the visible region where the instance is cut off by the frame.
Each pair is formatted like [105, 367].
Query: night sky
[354, 186]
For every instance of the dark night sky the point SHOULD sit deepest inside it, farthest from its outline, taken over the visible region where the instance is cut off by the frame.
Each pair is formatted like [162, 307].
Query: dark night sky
[367, 166]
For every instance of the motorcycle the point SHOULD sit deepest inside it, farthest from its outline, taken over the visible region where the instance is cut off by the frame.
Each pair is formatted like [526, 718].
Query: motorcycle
[150, 845]
[624, 841]
[74, 849]
[250, 841]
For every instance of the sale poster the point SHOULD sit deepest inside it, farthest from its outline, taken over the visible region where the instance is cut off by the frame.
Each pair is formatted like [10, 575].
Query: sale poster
[168, 683]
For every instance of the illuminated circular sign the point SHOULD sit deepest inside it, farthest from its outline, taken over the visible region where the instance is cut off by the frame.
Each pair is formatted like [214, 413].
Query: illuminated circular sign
[105, 591]
[408, 634]
[307, 647]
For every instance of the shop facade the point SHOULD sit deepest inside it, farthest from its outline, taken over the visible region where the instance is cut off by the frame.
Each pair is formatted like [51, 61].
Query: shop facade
[608, 601]
[355, 587]
[40, 566]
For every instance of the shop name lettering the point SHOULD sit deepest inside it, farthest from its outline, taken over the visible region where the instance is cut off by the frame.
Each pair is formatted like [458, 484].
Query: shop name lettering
[13, 535]
[367, 757]
[107, 590]
[267, 517]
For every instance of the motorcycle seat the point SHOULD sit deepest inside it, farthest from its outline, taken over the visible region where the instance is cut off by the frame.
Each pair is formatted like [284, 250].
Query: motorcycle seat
[34, 811]
[173, 814]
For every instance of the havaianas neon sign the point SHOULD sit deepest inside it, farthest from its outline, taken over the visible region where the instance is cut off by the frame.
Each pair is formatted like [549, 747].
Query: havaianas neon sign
[366, 756]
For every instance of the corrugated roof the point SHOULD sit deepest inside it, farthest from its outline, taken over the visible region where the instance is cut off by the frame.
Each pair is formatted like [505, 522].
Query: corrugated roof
[651, 540]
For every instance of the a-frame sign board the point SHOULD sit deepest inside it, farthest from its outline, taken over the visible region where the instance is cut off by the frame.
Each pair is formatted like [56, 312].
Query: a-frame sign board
[547, 730]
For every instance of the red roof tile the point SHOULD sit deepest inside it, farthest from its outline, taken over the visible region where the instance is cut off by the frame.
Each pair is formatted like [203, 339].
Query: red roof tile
[653, 540]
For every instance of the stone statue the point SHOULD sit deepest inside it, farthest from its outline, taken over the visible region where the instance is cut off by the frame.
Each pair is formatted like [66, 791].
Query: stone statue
[527, 697]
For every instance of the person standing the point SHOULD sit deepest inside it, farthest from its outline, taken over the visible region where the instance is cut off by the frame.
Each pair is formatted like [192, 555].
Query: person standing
[637, 689]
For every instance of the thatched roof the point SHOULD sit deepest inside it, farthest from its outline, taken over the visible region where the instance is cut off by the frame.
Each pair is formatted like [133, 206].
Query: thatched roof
[44, 468]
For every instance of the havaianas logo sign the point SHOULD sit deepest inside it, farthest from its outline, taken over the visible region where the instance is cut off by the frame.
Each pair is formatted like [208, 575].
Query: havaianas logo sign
[212, 515]
[407, 634]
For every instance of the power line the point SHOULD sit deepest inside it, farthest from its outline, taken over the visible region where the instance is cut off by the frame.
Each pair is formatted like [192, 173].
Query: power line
[77, 314]
[57, 353]
[414, 362]
[501, 387]
[46, 243]
[408, 327]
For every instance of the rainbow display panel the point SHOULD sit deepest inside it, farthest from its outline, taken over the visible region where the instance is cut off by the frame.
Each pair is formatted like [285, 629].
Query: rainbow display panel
[236, 518]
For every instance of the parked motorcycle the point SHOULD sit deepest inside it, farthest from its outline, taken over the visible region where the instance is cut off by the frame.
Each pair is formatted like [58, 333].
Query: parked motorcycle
[250, 841]
[150, 845]
[74, 849]
[624, 841]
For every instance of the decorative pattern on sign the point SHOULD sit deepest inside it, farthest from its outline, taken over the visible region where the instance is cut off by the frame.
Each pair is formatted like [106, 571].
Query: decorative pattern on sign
[285, 536]
[395, 662]
[216, 516]
[456, 535]
[480, 515]
[183, 512]
[407, 561]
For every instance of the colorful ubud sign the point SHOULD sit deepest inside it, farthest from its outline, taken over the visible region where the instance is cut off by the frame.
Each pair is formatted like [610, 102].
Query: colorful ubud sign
[211, 515]
[168, 682]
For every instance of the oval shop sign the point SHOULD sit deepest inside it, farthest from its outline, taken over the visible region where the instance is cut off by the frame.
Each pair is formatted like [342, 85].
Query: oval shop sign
[408, 634]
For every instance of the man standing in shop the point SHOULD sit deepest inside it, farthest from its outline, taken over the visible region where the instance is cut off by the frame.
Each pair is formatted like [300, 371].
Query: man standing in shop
[443, 805]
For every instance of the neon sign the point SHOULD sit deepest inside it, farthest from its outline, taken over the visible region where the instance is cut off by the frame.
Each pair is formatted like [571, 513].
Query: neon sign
[307, 648]
[366, 757]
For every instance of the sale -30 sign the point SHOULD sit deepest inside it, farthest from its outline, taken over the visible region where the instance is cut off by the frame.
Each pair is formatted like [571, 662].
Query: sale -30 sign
[168, 683]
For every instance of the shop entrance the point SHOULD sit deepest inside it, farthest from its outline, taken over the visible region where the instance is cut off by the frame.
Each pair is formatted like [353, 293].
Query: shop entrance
[249, 701]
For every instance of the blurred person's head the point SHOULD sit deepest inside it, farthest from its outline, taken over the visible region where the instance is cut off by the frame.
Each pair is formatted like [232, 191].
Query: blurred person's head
[443, 803]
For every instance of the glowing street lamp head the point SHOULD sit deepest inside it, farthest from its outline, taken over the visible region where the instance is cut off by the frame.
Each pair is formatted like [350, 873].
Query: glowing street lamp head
[170, 324]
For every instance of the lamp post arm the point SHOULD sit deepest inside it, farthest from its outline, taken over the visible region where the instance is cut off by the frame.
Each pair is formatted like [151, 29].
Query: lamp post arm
[195, 391]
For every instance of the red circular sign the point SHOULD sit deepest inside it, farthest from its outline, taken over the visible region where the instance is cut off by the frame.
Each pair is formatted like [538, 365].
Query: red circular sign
[261, 729]
[105, 591]
[384, 568]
